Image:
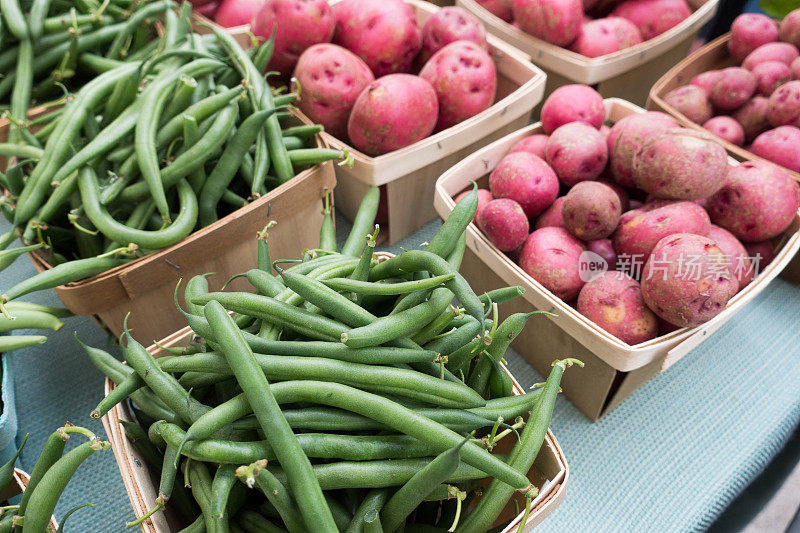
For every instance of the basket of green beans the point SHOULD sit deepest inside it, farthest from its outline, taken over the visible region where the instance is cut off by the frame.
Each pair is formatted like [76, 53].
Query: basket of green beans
[349, 392]
[160, 167]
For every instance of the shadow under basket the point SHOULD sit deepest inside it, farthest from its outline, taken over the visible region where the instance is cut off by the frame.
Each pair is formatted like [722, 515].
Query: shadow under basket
[626, 74]
[613, 369]
[144, 287]
[549, 473]
[407, 176]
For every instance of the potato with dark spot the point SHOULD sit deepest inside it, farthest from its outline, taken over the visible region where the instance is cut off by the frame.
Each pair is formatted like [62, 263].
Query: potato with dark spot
[613, 301]
[784, 105]
[727, 128]
[576, 152]
[640, 229]
[591, 210]
[758, 202]
[551, 257]
[680, 164]
[448, 25]
[687, 280]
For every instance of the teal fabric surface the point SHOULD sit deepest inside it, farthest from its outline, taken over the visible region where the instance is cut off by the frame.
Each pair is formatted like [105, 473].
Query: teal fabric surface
[670, 458]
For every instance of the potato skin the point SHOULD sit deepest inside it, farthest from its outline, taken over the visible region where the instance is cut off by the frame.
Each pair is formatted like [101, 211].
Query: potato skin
[726, 128]
[692, 101]
[783, 52]
[577, 152]
[784, 105]
[572, 103]
[614, 301]
[484, 197]
[733, 87]
[605, 36]
[653, 17]
[550, 256]
[737, 254]
[687, 280]
[533, 144]
[752, 117]
[448, 25]
[552, 217]
[504, 223]
[758, 202]
[680, 164]
[391, 113]
[779, 145]
[331, 78]
[748, 32]
[627, 136]
[641, 229]
[591, 210]
[554, 21]
[527, 179]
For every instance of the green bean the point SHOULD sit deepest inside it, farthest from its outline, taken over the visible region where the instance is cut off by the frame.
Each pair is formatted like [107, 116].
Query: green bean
[181, 98]
[373, 502]
[252, 381]
[278, 313]
[277, 494]
[522, 456]
[456, 224]
[264, 283]
[58, 144]
[252, 522]
[388, 289]
[196, 286]
[228, 164]
[24, 319]
[124, 389]
[191, 136]
[327, 232]
[200, 482]
[59, 312]
[7, 470]
[9, 256]
[221, 485]
[51, 452]
[20, 150]
[98, 64]
[377, 474]
[294, 143]
[138, 437]
[500, 383]
[363, 222]
[414, 491]
[21, 95]
[36, 17]
[181, 227]
[314, 156]
[64, 273]
[153, 99]
[162, 384]
[136, 19]
[43, 501]
[15, 20]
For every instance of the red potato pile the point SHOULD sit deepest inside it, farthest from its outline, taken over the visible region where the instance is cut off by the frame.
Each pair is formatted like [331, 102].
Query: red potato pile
[368, 72]
[755, 105]
[586, 28]
[680, 231]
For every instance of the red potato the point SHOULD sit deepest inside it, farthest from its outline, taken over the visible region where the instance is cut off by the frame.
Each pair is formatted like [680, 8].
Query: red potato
[391, 113]
[705, 80]
[200, 3]
[748, 32]
[783, 52]
[208, 10]
[635, 204]
[795, 68]
[605, 249]
[331, 78]
[761, 254]
[526, 179]
[504, 223]
[624, 197]
[499, 8]
[613, 301]
[752, 117]
[533, 144]
[572, 103]
[448, 25]
[734, 87]
[551, 217]
[770, 75]
[784, 105]
[758, 202]
[640, 230]
[653, 17]
[465, 80]
[692, 101]
[551, 257]
[484, 197]
[780, 146]
[680, 164]
[687, 280]
[576, 152]
[555, 21]
[790, 28]
[384, 33]
[627, 137]
[231, 13]
[299, 24]
[591, 211]
[741, 267]
[604, 131]
[605, 36]
[726, 128]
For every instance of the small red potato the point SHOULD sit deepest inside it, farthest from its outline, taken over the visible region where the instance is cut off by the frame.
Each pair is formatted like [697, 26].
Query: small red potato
[605, 36]
[653, 17]
[627, 137]
[448, 25]
[784, 105]
[692, 101]
[484, 197]
[526, 179]
[779, 145]
[591, 210]
[576, 152]
[734, 87]
[572, 103]
[551, 257]
[783, 52]
[554, 21]
[504, 223]
[748, 32]
[552, 217]
[726, 128]
[752, 116]
[533, 144]
[741, 267]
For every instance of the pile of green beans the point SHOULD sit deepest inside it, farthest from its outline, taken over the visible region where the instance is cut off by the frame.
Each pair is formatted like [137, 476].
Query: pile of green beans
[49, 46]
[48, 479]
[393, 432]
[151, 149]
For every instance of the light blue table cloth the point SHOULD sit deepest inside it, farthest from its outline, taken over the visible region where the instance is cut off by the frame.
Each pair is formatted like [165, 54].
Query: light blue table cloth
[670, 458]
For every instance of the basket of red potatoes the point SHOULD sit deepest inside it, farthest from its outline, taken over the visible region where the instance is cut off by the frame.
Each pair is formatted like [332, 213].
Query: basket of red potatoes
[622, 45]
[635, 231]
[744, 88]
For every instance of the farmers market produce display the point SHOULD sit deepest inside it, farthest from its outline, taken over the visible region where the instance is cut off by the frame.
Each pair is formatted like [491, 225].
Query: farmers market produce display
[49, 477]
[148, 152]
[755, 105]
[346, 393]
[679, 230]
[591, 28]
